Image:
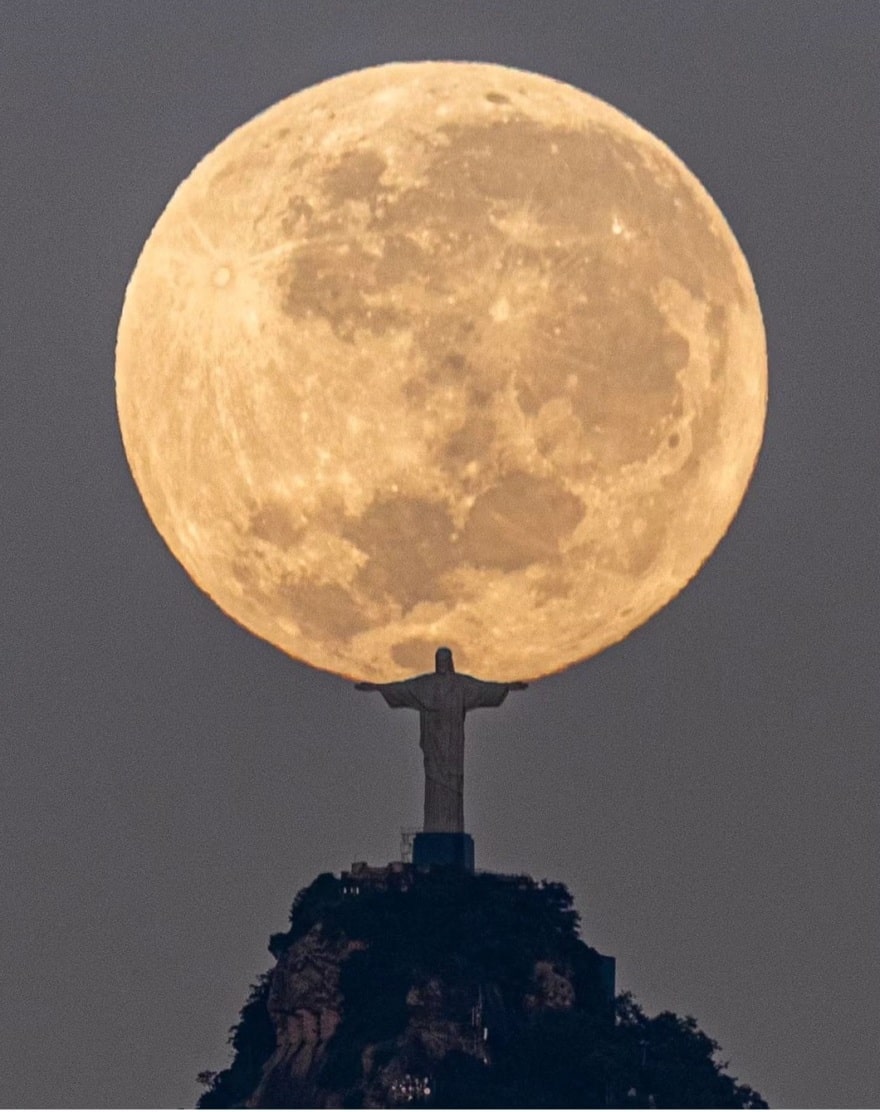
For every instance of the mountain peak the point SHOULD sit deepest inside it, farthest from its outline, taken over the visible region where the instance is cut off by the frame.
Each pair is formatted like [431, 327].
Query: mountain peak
[436, 987]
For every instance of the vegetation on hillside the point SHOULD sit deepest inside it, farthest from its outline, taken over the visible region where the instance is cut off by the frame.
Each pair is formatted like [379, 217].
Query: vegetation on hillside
[481, 933]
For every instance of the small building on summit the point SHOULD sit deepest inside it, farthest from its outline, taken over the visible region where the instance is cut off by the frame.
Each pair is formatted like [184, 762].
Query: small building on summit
[396, 876]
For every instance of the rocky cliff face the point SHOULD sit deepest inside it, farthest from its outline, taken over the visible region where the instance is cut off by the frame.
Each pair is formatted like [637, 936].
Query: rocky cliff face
[438, 989]
[305, 1006]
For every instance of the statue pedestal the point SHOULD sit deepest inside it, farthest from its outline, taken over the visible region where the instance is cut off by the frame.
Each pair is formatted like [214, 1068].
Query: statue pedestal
[441, 848]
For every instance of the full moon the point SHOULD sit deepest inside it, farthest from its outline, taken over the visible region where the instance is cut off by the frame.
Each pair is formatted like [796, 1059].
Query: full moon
[441, 353]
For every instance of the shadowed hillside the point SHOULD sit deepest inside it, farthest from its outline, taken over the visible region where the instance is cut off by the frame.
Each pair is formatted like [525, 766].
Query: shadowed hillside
[444, 989]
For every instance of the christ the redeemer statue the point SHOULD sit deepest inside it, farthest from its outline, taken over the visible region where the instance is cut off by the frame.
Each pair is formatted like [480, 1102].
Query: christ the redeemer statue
[443, 698]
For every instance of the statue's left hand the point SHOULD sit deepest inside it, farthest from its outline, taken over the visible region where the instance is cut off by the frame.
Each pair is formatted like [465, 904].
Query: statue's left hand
[366, 686]
[518, 686]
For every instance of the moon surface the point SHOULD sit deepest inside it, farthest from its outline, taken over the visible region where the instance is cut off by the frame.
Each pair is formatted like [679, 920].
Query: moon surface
[441, 353]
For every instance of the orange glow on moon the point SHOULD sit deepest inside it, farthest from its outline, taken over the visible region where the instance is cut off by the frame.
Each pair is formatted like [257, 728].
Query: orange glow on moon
[441, 353]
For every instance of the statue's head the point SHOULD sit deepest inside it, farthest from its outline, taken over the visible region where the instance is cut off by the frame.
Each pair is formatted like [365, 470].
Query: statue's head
[443, 660]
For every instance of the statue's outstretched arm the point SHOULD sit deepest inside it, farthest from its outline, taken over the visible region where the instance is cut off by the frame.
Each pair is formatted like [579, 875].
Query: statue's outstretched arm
[403, 693]
[484, 693]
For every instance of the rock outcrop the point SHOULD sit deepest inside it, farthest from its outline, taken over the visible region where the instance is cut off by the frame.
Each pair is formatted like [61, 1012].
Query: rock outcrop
[305, 1006]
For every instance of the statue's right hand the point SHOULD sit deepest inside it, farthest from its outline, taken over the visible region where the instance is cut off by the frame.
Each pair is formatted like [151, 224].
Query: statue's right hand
[365, 686]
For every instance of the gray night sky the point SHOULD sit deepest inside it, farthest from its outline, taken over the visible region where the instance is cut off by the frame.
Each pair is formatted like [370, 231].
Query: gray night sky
[707, 788]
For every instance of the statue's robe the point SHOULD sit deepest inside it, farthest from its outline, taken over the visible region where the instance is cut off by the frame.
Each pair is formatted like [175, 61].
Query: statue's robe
[442, 700]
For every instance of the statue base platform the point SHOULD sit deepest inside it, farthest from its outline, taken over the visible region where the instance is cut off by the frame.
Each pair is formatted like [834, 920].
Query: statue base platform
[442, 848]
